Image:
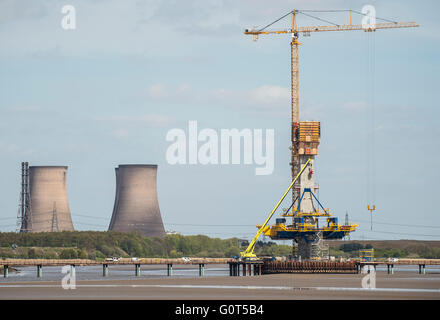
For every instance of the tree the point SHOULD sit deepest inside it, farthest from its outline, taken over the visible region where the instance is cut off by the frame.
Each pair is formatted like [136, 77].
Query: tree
[83, 254]
[68, 254]
[32, 253]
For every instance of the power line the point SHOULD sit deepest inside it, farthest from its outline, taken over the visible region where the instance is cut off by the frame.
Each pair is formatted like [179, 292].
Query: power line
[90, 224]
[7, 225]
[85, 216]
[252, 225]
[399, 233]
[402, 225]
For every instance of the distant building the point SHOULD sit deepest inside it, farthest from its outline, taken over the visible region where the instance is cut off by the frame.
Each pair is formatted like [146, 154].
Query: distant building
[136, 207]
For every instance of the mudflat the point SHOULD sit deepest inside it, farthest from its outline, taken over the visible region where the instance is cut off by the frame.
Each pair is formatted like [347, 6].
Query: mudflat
[401, 285]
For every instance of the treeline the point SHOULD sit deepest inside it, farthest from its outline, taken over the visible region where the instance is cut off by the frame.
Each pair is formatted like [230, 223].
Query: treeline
[99, 245]
[412, 251]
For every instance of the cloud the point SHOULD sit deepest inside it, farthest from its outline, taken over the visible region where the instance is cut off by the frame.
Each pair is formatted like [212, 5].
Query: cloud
[354, 106]
[126, 126]
[7, 148]
[146, 28]
[22, 10]
[25, 108]
[153, 120]
[157, 91]
[269, 96]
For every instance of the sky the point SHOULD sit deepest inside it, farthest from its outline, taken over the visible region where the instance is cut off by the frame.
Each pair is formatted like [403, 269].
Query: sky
[107, 93]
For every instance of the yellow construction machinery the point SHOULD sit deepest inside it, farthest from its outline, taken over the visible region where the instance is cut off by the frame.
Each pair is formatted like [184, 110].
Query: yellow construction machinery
[249, 252]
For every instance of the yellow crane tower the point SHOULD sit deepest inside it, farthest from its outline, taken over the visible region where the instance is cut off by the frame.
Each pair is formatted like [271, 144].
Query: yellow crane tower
[295, 31]
[305, 137]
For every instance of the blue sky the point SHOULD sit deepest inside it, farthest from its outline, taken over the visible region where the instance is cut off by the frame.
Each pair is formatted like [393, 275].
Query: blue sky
[108, 92]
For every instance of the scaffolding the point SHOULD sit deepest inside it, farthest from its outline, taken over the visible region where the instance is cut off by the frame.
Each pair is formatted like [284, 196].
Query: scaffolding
[366, 255]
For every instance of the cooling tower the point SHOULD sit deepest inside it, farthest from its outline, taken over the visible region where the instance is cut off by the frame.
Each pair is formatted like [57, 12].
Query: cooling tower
[136, 206]
[49, 208]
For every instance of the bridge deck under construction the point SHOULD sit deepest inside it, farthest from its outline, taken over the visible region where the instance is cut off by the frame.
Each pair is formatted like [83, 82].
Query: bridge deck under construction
[122, 261]
[236, 267]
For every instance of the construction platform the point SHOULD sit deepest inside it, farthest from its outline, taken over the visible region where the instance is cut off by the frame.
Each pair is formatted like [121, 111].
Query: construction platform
[270, 267]
[261, 267]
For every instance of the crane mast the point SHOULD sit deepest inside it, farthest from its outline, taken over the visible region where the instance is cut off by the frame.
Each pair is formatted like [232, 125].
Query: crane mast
[295, 31]
[305, 139]
[294, 44]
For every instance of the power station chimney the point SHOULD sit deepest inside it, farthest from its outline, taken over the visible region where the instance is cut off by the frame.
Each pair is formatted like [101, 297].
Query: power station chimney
[136, 205]
[47, 208]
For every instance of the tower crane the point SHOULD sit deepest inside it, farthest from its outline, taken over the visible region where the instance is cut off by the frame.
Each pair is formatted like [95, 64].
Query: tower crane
[295, 31]
[305, 138]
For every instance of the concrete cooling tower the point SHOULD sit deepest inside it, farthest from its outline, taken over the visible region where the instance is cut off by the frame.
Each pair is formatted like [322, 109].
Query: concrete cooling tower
[136, 206]
[49, 207]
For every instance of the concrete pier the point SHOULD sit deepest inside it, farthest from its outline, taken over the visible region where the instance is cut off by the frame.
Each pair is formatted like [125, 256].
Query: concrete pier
[39, 271]
[248, 268]
[201, 269]
[390, 268]
[105, 270]
[422, 269]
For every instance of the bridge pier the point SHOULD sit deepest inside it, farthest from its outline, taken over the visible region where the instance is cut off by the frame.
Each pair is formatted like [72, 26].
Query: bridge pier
[257, 269]
[39, 271]
[247, 268]
[422, 269]
[105, 270]
[201, 269]
[236, 269]
[5, 271]
[390, 268]
[169, 270]
[137, 269]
